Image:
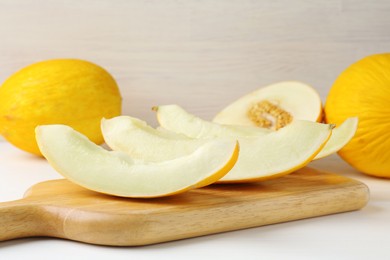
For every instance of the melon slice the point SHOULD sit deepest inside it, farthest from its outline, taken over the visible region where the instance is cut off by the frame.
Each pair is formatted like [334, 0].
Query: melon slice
[274, 106]
[341, 136]
[113, 172]
[263, 156]
[141, 141]
[176, 119]
[170, 117]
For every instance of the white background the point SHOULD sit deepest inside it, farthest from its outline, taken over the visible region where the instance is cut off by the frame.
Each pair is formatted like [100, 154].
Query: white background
[202, 55]
[199, 53]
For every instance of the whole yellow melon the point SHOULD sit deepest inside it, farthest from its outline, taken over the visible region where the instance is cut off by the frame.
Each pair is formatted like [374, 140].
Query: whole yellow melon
[363, 90]
[62, 91]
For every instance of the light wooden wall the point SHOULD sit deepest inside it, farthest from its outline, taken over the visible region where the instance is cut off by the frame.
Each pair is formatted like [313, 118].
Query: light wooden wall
[201, 54]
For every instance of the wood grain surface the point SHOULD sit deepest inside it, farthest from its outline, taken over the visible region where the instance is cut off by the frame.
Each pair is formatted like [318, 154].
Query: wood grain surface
[200, 54]
[61, 209]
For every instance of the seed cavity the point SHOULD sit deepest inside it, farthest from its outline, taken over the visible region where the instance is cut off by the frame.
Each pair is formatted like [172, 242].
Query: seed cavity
[268, 115]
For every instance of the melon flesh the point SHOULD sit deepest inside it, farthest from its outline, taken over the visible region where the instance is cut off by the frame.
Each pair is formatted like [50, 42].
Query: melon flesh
[141, 141]
[262, 156]
[341, 136]
[175, 119]
[114, 172]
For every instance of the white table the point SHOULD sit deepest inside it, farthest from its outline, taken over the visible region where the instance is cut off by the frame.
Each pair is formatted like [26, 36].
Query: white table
[362, 234]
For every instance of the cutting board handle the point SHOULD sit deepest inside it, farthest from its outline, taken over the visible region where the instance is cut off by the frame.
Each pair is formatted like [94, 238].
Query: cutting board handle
[19, 219]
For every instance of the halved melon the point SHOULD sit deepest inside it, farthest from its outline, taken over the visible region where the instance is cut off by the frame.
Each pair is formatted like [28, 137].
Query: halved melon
[274, 106]
[263, 156]
[113, 172]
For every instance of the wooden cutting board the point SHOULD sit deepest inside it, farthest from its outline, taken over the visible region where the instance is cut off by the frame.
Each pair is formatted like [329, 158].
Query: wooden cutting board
[62, 209]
